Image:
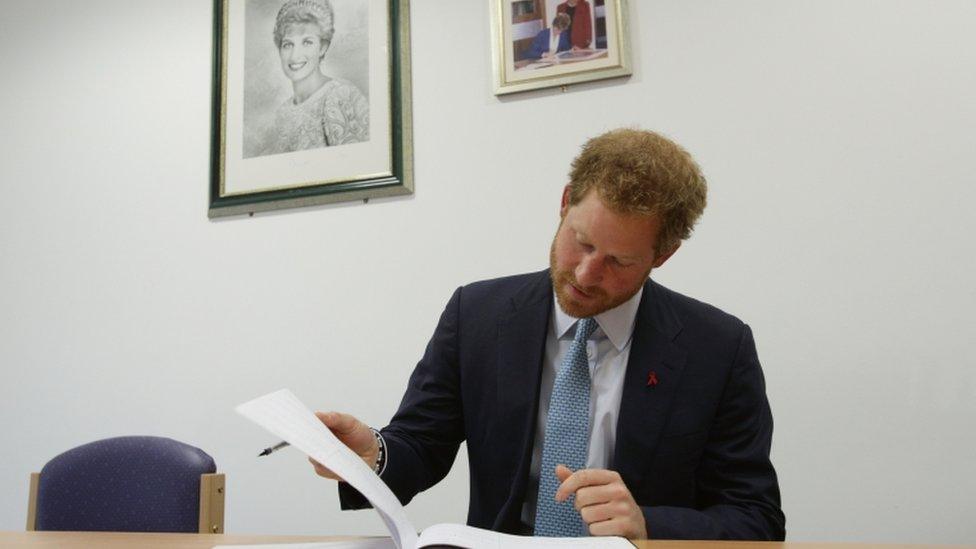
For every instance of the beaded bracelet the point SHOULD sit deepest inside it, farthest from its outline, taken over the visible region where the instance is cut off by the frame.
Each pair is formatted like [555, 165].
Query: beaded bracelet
[381, 455]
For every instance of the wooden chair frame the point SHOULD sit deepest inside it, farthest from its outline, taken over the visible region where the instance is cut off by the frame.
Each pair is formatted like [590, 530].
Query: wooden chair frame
[211, 503]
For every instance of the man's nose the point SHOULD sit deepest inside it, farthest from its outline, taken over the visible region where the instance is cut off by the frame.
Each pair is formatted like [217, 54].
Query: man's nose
[589, 271]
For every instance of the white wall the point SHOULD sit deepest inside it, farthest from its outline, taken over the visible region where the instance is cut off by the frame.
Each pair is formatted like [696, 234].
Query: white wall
[838, 138]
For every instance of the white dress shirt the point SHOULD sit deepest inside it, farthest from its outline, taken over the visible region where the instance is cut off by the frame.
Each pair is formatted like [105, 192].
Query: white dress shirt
[607, 349]
[554, 40]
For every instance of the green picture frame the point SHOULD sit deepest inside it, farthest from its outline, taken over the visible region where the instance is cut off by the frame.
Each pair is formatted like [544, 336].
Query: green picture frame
[263, 154]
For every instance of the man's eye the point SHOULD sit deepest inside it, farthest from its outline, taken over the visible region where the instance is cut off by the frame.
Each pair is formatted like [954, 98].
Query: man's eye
[308, 42]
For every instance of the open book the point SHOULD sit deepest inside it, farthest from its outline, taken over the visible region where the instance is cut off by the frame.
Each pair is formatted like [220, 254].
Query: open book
[284, 415]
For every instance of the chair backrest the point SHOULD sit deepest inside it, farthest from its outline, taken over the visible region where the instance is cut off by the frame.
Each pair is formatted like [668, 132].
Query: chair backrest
[128, 484]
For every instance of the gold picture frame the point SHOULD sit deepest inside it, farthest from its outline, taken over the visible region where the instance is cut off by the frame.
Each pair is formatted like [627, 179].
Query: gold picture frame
[594, 47]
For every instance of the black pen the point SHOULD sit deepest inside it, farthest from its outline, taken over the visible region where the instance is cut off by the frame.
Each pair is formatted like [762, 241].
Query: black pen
[274, 448]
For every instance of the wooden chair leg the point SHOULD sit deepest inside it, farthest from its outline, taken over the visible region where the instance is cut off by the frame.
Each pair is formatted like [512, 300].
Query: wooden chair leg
[35, 478]
[212, 503]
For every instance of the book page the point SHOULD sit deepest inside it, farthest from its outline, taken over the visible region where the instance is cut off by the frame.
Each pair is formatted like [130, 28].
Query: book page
[458, 535]
[580, 55]
[284, 415]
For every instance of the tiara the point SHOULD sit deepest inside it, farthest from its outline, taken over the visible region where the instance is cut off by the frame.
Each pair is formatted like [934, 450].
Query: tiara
[312, 5]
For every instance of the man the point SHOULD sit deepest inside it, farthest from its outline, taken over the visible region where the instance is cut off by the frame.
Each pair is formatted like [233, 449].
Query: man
[551, 41]
[580, 22]
[664, 394]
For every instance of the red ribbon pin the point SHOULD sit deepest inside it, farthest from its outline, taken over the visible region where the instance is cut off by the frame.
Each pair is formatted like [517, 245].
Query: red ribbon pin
[652, 379]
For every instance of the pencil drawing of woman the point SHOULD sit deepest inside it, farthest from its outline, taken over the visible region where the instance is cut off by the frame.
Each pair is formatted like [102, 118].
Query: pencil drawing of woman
[321, 110]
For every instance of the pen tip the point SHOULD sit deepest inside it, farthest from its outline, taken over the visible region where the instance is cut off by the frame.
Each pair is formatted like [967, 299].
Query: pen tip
[265, 452]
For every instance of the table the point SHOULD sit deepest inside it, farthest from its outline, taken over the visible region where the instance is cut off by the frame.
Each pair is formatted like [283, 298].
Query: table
[573, 57]
[127, 540]
[140, 540]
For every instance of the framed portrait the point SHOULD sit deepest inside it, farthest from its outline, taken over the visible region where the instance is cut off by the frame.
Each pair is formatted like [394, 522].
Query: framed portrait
[311, 103]
[546, 43]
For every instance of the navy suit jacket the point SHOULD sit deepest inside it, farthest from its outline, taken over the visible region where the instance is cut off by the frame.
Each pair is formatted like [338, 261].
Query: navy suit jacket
[540, 44]
[693, 448]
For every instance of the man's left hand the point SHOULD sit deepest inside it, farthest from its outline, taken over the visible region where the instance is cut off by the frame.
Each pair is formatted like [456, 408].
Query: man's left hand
[604, 502]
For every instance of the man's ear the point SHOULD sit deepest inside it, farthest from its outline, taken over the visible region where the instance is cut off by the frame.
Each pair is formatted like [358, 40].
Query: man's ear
[660, 259]
[564, 204]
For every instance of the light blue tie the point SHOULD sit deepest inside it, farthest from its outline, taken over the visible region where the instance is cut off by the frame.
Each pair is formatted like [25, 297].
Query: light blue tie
[566, 438]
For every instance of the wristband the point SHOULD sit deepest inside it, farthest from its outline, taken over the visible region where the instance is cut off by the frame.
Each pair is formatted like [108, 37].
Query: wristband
[381, 455]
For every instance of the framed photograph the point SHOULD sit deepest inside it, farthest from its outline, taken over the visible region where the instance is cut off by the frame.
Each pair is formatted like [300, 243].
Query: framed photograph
[546, 43]
[311, 103]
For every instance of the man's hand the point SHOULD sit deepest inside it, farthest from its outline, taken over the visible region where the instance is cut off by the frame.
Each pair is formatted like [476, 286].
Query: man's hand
[354, 434]
[604, 502]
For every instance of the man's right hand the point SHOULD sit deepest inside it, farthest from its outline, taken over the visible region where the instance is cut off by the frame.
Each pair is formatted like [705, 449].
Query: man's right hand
[354, 434]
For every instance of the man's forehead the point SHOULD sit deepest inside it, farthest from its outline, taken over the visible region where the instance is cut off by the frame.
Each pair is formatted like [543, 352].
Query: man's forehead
[623, 241]
[594, 201]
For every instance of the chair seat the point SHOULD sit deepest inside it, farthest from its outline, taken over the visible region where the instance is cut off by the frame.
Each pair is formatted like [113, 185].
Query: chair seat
[130, 484]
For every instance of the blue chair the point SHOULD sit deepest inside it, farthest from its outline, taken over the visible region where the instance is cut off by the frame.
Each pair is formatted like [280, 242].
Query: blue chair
[128, 484]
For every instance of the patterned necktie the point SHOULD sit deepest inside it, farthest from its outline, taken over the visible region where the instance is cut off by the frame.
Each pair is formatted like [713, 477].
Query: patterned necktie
[566, 438]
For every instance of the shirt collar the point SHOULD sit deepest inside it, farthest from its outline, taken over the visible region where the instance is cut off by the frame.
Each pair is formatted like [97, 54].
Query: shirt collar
[617, 323]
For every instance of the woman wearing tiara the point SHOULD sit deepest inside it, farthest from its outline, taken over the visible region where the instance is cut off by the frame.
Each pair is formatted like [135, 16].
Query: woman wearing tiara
[323, 111]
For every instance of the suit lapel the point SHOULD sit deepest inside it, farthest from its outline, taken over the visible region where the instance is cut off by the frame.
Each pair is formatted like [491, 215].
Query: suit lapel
[654, 369]
[644, 408]
[521, 349]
